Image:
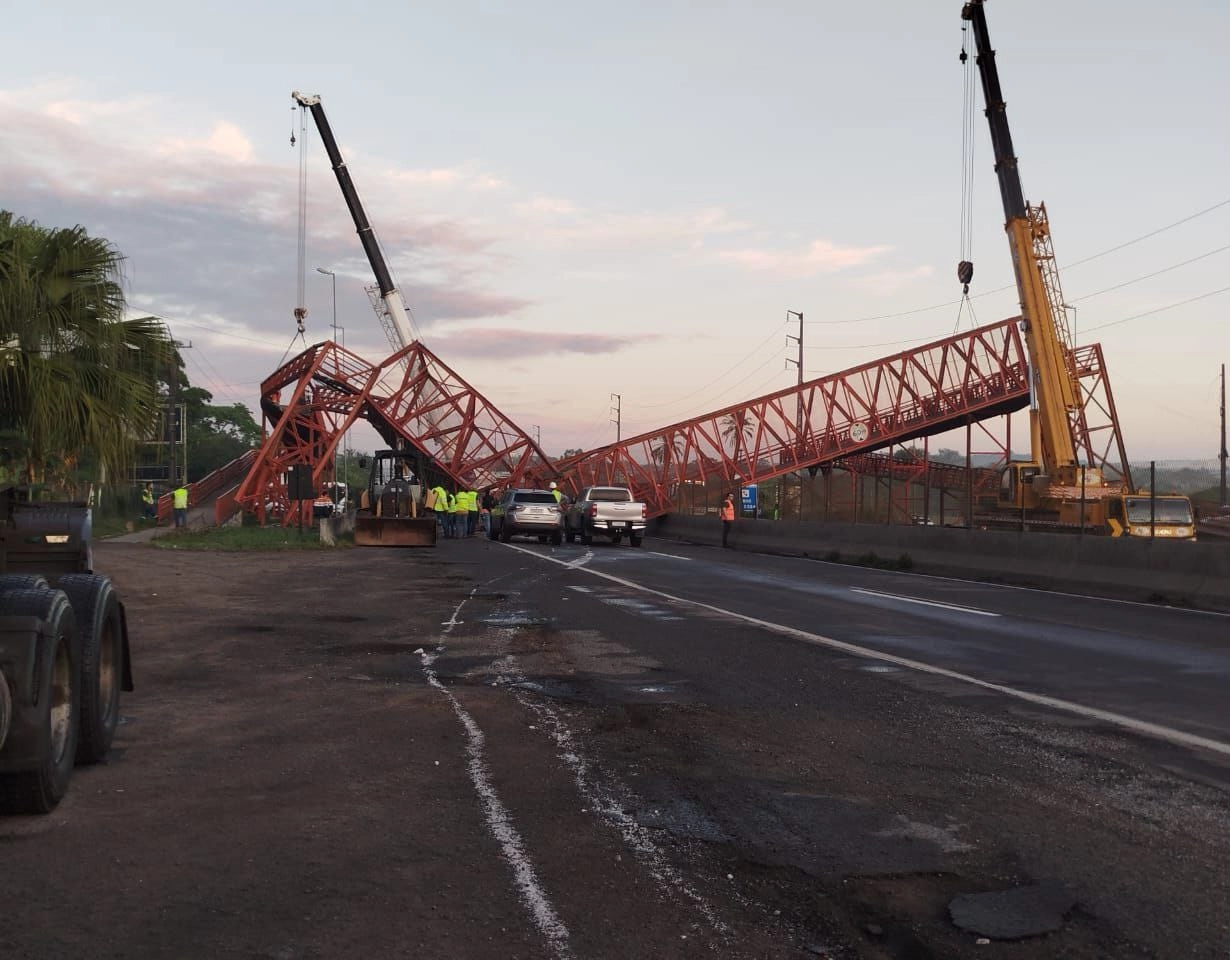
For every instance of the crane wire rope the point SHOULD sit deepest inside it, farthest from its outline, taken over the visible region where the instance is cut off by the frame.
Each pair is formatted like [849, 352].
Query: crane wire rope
[300, 312]
[965, 263]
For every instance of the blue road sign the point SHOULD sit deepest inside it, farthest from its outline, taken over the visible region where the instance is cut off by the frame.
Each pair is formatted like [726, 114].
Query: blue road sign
[749, 498]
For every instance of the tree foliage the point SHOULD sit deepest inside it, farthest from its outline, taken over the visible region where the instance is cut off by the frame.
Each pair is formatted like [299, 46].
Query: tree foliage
[77, 379]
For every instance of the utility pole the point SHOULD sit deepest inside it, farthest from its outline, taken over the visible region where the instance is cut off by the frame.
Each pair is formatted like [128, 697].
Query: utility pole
[177, 417]
[798, 398]
[333, 282]
[1222, 455]
[616, 400]
[537, 434]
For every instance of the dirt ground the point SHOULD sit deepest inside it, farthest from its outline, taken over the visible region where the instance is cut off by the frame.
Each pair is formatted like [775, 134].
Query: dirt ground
[287, 783]
[373, 753]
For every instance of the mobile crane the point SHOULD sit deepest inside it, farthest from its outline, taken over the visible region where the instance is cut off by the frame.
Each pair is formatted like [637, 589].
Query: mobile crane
[1053, 483]
[380, 520]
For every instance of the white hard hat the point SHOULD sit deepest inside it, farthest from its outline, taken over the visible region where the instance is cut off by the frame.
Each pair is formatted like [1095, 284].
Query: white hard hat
[552, 484]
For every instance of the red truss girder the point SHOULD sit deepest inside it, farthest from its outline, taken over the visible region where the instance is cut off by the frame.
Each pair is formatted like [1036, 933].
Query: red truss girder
[412, 398]
[972, 375]
[415, 399]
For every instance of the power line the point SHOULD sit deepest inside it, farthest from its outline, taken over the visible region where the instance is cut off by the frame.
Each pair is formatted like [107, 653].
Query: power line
[748, 356]
[1150, 313]
[1150, 276]
[1076, 263]
[1152, 233]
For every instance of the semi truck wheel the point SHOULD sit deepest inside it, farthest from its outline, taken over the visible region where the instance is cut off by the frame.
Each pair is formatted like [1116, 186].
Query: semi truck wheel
[55, 707]
[22, 581]
[97, 611]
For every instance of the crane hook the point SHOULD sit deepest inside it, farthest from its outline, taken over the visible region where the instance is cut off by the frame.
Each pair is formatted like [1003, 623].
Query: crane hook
[965, 273]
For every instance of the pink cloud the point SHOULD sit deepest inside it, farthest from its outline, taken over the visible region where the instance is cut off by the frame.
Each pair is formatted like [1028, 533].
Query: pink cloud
[820, 256]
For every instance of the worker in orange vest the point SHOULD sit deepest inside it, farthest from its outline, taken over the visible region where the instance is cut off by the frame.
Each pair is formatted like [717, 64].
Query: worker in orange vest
[727, 514]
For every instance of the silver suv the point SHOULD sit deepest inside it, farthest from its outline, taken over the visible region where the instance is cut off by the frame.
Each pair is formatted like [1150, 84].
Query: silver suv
[528, 512]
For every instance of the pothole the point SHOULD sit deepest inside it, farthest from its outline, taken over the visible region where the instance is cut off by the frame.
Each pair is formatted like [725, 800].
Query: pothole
[1015, 914]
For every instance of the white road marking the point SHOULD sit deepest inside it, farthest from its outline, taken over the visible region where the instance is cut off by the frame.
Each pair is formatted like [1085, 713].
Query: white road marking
[580, 561]
[670, 556]
[926, 603]
[610, 800]
[1158, 731]
[499, 821]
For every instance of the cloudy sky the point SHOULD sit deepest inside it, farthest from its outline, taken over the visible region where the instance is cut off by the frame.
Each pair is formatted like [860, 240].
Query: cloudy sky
[582, 199]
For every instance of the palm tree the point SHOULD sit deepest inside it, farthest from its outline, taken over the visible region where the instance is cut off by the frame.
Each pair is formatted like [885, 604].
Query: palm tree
[673, 446]
[76, 377]
[737, 429]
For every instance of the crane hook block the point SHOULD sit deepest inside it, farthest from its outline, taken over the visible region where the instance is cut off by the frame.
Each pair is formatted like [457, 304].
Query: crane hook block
[965, 273]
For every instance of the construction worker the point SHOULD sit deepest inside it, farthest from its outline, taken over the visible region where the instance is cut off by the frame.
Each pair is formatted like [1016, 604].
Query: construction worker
[727, 513]
[489, 501]
[471, 512]
[554, 487]
[439, 503]
[452, 514]
[179, 502]
[147, 501]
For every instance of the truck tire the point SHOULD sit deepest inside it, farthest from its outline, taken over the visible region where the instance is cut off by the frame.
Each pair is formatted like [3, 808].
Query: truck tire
[22, 581]
[634, 539]
[58, 701]
[96, 608]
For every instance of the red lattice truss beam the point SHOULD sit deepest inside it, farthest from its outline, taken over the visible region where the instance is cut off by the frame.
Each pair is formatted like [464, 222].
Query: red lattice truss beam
[415, 399]
[915, 393]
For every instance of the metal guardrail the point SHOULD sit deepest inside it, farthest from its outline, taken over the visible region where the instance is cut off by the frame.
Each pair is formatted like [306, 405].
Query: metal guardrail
[209, 485]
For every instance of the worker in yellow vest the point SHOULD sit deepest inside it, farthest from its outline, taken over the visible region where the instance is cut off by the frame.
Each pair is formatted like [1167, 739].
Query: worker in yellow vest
[147, 502]
[439, 503]
[451, 531]
[179, 502]
[471, 512]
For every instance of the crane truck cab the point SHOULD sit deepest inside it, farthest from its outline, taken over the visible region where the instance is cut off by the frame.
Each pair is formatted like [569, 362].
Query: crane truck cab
[1141, 515]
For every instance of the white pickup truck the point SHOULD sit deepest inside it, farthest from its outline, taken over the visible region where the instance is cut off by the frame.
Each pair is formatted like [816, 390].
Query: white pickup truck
[605, 511]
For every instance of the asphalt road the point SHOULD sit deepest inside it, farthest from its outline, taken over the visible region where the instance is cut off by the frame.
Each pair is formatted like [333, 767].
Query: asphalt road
[1084, 741]
[495, 751]
[1161, 670]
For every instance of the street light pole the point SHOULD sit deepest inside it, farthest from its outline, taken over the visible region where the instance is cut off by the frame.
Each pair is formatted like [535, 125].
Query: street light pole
[798, 400]
[333, 278]
[333, 283]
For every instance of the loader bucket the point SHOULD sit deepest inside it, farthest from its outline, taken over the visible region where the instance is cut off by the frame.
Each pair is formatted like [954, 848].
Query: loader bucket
[370, 531]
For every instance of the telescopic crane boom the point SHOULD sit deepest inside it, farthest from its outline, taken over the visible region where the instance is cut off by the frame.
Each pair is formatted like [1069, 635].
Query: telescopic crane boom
[388, 292]
[1055, 391]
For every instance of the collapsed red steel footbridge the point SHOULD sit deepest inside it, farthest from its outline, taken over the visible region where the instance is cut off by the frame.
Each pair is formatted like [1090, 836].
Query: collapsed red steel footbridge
[413, 399]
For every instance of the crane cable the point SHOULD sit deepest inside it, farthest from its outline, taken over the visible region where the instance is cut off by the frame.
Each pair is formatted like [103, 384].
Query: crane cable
[300, 312]
[965, 266]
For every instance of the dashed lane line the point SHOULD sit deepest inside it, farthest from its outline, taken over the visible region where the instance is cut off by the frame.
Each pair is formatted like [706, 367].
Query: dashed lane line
[925, 603]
